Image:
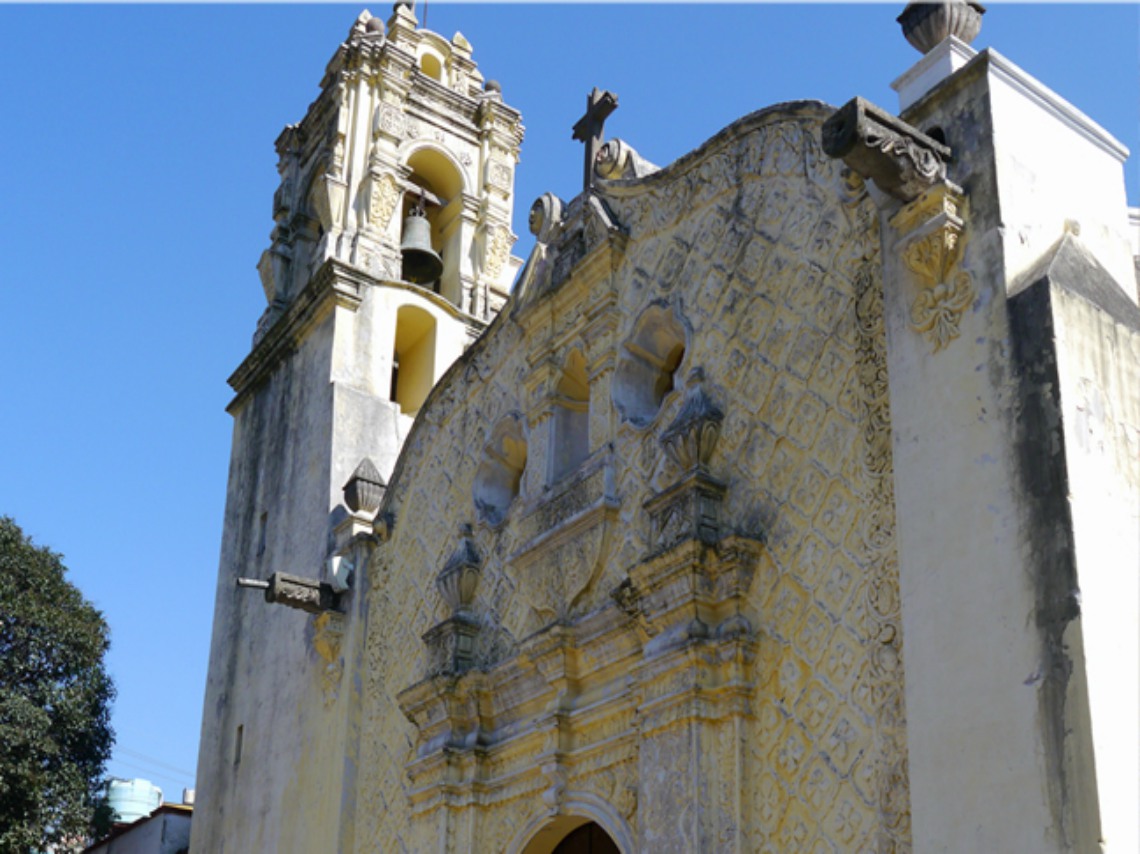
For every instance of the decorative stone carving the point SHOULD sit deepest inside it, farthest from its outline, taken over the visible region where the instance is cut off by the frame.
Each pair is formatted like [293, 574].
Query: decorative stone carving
[571, 530]
[327, 199]
[545, 216]
[617, 160]
[901, 160]
[687, 510]
[365, 489]
[389, 120]
[497, 252]
[459, 578]
[273, 269]
[691, 438]
[692, 654]
[930, 244]
[383, 197]
[499, 477]
[499, 174]
[305, 594]
[926, 25]
[647, 363]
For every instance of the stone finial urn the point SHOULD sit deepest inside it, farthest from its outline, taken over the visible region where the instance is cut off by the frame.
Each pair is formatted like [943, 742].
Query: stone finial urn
[459, 578]
[365, 489]
[926, 25]
[691, 438]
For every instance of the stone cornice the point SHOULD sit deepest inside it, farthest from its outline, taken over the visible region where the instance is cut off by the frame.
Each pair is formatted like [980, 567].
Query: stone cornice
[1034, 90]
[334, 283]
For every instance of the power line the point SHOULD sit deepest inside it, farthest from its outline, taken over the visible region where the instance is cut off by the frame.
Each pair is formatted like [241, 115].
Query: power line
[151, 760]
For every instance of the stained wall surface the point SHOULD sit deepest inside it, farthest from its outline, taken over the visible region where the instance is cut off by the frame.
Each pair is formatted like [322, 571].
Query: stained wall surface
[764, 255]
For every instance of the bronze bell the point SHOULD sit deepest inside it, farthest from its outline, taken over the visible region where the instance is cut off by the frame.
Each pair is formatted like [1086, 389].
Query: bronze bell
[422, 264]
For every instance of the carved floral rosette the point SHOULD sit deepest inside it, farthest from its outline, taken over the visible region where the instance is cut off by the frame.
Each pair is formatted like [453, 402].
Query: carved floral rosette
[930, 245]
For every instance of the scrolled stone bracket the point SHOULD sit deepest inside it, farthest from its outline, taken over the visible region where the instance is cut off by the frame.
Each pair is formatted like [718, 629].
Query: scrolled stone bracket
[930, 240]
[902, 161]
[304, 594]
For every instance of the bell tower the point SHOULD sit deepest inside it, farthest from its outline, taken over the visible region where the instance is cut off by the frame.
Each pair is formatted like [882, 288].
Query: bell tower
[390, 253]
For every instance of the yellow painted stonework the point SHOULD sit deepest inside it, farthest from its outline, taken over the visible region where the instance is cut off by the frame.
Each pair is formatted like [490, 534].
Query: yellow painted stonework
[776, 722]
[644, 556]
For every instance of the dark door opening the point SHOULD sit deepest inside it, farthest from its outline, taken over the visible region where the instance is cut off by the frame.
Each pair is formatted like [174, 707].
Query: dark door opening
[587, 839]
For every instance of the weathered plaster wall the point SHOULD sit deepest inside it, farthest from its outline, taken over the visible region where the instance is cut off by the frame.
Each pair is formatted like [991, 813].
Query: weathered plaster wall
[1099, 376]
[262, 669]
[314, 400]
[1055, 168]
[766, 256]
[1001, 710]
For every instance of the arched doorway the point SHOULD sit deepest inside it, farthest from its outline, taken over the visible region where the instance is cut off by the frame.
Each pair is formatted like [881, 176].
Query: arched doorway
[587, 839]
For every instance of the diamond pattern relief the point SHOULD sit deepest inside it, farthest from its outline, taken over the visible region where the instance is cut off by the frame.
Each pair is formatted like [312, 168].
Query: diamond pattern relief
[814, 708]
[813, 634]
[800, 376]
[808, 490]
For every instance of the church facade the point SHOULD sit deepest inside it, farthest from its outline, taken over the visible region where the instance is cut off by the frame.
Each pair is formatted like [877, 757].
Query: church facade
[790, 502]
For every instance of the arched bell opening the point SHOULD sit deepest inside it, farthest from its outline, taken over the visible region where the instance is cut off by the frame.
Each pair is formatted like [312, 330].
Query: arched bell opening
[430, 238]
[413, 359]
[572, 835]
[432, 67]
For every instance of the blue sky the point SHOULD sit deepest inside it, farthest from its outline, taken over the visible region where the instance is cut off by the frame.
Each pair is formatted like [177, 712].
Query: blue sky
[138, 144]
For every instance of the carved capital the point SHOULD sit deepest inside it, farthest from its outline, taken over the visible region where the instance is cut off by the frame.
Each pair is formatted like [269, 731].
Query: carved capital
[931, 239]
[901, 160]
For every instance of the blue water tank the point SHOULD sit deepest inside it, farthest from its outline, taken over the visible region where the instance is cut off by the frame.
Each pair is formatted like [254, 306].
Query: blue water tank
[133, 799]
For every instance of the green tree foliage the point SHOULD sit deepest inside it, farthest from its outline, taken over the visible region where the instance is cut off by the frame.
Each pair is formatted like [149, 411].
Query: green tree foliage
[55, 699]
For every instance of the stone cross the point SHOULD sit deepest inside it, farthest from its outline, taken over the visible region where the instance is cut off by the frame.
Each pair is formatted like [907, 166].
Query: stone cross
[588, 129]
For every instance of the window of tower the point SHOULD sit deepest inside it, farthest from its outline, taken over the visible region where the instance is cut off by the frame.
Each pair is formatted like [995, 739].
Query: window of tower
[431, 66]
[571, 412]
[443, 201]
[413, 359]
